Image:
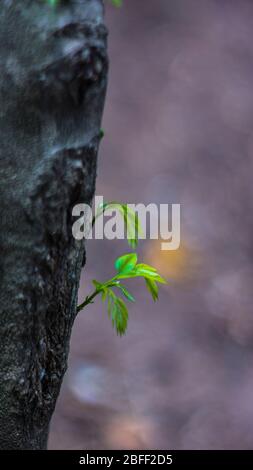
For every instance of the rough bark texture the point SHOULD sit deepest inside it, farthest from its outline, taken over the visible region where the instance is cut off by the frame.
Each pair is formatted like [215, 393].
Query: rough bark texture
[53, 70]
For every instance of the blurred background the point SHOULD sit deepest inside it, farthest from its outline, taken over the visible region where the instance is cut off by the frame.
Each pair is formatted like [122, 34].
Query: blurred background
[178, 129]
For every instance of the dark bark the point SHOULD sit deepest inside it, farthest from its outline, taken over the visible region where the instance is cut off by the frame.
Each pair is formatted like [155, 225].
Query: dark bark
[53, 70]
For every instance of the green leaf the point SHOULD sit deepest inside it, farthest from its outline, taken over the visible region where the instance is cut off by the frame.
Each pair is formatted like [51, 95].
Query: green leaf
[126, 263]
[126, 293]
[147, 267]
[149, 273]
[130, 218]
[127, 268]
[118, 313]
[110, 303]
[121, 317]
[152, 288]
[101, 288]
[104, 295]
[132, 225]
[140, 272]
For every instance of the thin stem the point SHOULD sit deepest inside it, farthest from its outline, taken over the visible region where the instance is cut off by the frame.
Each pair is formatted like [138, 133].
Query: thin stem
[88, 300]
[111, 283]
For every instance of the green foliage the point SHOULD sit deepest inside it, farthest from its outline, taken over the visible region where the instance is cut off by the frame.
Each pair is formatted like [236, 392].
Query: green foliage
[126, 263]
[130, 218]
[127, 268]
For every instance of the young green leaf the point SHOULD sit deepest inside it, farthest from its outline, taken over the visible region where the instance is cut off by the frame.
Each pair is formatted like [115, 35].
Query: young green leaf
[104, 295]
[152, 288]
[121, 317]
[110, 304]
[127, 268]
[149, 273]
[131, 220]
[132, 224]
[147, 267]
[118, 313]
[126, 263]
[126, 293]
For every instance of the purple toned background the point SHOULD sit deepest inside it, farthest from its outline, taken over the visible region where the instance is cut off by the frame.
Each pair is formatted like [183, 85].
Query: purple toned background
[178, 123]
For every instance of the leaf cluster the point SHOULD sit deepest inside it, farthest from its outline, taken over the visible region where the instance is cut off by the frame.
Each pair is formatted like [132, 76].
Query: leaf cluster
[126, 268]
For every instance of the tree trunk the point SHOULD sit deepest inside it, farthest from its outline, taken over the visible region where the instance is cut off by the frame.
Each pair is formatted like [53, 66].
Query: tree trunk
[53, 71]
